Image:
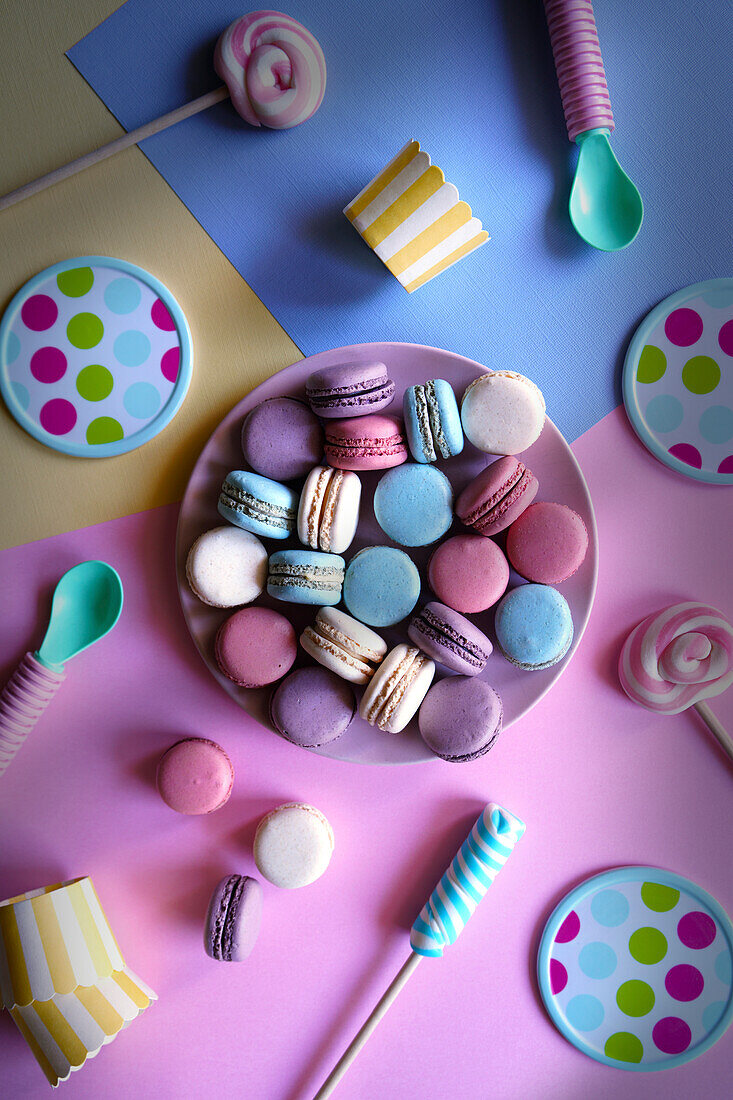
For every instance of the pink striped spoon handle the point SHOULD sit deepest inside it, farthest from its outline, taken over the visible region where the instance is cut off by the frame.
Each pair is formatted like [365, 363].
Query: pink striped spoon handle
[579, 66]
[24, 699]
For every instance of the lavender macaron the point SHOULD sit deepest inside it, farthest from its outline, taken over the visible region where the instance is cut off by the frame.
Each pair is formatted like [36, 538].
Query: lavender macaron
[282, 439]
[460, 718]
[451, 639]
[233, 920]
[312, 707]
[350, 389]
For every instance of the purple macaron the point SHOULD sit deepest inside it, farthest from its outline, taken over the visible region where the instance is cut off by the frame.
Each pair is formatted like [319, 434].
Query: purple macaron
[460, 718]
[234, 917]
[282, 439]
[312, 707]
[351, 389]
[449, 638]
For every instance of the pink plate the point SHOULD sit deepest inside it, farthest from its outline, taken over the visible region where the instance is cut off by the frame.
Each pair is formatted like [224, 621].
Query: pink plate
[549, 458]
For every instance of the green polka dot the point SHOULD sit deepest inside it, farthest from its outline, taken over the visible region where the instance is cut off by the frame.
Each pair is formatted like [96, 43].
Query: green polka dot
[648, 946]
[85, 330]
[700, 374]
[76, 282]
[659, 898]
[635, 998]
[652, 364]
[94, 382]
[105, 429]
[624, 1047]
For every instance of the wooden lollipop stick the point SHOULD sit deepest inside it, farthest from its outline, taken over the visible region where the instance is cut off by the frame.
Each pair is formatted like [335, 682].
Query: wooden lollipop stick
[716, 727]
[122, 142]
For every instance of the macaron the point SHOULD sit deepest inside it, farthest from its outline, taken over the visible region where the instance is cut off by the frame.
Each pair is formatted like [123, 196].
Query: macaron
[502, 412]
[365, 443]
[432, 421]
[343, 645]
[533, 626]
[305, 576]
[460, 718]
[258, 504]
[255, 646]
[226, 567]
[350, 389]
[195, 776]
[312, 707]
[293, 845]
[282, 438]
[397, 688]
[381, 585]
[497, 496]
[413, 504]
[328, 512]
[468, 573]
[233, 919]
[548, 543]
[449, 638]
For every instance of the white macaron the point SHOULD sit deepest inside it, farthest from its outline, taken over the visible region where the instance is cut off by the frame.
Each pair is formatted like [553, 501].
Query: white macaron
[328, 512]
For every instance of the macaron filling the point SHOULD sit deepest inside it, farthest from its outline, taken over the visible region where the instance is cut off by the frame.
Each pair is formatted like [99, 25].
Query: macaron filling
[319, 520]
[226, 917]
[272, 514]
[439, 631]
[424, 423]
[313, 577]
[365, 447]
[376, 390]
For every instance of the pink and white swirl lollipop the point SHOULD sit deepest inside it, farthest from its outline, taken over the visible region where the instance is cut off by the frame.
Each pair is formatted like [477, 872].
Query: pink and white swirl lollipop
[273, 69]
[677, 658]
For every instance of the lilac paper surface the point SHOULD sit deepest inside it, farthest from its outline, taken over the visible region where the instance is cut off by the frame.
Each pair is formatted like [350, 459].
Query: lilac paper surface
[475, 84]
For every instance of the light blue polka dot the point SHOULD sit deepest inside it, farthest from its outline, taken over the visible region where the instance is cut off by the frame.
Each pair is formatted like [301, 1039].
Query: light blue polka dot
[132, 348]
[584, 1013]
[122, 296]
[712, 1013]
[664, 413]
[21, 395]
[718, 298]
[716, 424]
[597, 960]
[610, 908]
[723, 967]
[13, 346]
[141, 400]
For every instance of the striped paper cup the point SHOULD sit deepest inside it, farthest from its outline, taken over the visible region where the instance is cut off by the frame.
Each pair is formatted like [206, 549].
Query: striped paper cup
[414, 220]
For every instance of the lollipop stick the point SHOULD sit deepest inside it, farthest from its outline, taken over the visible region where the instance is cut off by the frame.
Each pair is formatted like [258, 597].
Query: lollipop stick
[367, 1027]
[122, 142]
[716, 727]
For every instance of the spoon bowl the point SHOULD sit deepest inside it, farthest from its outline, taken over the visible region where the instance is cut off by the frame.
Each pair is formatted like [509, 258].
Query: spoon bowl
[605, 206]
[86, 605]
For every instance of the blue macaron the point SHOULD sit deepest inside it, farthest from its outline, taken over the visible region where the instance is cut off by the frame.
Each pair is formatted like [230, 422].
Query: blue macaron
[534, 626]
[259, 505]
[381, 586]
[414, 504]
[432, 421]
[305, 576]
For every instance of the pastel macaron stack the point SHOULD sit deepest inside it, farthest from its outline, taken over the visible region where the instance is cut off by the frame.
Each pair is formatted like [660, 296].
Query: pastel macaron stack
[258, 504]
[396, 690]
[350, 389]
[305, 576]
[497, 496]
[365, 443]
[343, 645]
[328, 511]
[450, 639]
[233, 919]
[432, 421]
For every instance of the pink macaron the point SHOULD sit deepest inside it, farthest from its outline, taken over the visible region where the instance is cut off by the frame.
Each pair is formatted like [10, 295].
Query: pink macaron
[468, 573]
[365, 443]
[548, 543]
[497, 497]
[255, 646]
[195, 776]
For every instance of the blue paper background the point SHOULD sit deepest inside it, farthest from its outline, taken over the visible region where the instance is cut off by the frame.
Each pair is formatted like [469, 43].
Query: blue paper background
[474, 82]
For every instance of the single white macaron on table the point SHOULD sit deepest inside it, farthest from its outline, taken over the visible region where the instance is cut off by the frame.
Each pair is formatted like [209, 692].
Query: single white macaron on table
[293, 845]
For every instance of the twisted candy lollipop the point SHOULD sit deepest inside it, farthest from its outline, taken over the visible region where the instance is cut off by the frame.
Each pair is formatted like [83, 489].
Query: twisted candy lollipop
[274, 71]
[678, 657]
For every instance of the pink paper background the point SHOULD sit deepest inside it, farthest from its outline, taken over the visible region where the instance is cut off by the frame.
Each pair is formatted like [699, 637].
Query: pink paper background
[598, 782]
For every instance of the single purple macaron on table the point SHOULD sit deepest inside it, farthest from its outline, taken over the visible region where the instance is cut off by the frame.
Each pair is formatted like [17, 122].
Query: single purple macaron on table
[450, 639]
[460, 718]
[350, 389]
[195, 776]
[497, 496]
[282, 439]
[233, 919]
[312, 707]
[548, 543]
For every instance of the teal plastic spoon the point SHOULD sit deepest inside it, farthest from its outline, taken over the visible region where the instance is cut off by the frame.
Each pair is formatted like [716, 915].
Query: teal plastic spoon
[605, 206]
[86, 605]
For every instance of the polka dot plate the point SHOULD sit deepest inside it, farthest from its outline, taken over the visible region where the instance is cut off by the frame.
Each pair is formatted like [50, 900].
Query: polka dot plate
[678, 381]
[95, 356]
[634, 967]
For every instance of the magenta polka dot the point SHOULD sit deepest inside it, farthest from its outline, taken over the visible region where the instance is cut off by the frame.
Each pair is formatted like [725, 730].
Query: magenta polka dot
[671, 1035]
[696, 930]
[558, 976]
[170, 363]
[48, 364]
[684, 982]
[725, 337]
[726, 466]
[683, 327]
[58, 416]
[685, 452]
[39, 312]
[161, 317]
[569, 928]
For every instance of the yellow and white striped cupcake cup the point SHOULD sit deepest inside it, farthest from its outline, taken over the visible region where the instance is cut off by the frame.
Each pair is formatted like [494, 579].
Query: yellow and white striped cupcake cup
[62, 976]
[414, 220]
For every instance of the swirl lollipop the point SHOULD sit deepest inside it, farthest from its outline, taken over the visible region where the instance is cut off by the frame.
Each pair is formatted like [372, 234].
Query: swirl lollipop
[677, 658]
[273, 69]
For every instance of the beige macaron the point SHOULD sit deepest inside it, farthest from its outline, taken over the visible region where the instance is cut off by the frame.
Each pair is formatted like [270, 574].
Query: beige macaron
[293, 845]
[397, 688]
